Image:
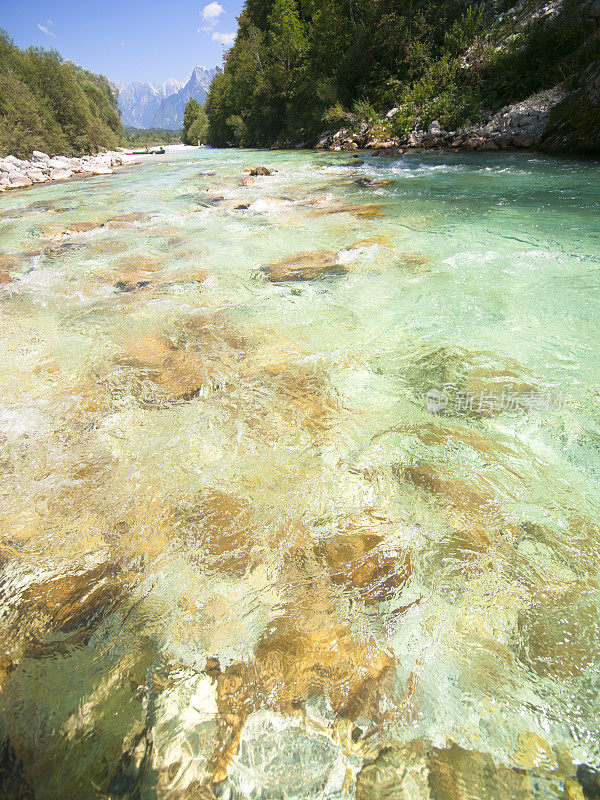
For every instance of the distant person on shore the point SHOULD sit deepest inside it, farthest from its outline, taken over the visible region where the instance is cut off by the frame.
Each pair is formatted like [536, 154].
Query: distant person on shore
[147, 148]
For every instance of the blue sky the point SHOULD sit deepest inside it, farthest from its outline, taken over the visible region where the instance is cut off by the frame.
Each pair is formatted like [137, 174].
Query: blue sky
[127, 40]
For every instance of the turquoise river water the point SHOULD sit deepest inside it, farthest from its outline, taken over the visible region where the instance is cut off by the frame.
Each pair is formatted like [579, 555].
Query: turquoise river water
[299, 479]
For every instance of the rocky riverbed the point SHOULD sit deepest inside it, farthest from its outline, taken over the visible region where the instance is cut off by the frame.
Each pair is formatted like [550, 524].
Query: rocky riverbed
[17, 173]
[298, 481]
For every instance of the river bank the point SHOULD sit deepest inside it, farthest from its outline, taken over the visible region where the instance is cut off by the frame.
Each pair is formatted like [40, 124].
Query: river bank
[519, 126]
[18, 173]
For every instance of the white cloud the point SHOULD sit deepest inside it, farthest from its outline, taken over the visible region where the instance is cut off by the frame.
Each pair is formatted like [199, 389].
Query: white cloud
[226, 39]
[46, 28]
[212, 12]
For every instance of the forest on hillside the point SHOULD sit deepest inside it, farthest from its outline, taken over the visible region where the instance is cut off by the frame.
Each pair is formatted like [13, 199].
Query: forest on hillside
[300, 66]
[53, 105]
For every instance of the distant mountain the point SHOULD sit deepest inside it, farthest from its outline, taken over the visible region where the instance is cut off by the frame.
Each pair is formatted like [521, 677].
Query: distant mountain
[140, 101]
[170, 111]
[148, 105]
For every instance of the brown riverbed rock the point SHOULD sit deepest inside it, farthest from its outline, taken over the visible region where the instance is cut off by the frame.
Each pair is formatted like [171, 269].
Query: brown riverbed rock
[83, 227]
[73, 228]
[362, 211]
[573, 790]
[380, 241]
[176, 373]
[479, 528]
[297, 659]
[75, 600]
[364, 561]
[560, 636]
[459, 774]
[133, 281]
[108, 247]
[400, 772]
[302, 398]
[481, 384]
[305, 267]
[533, 752]
[140, 263]
[8, 263]
[218, 531]
[125, 220]
[414, 262]
[470, 501]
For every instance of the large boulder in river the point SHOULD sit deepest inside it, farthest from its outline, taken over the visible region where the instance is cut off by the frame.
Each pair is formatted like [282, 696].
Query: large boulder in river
[36, 175]
[18, 180]
[16, 162]
[58, 174]
[305, 267]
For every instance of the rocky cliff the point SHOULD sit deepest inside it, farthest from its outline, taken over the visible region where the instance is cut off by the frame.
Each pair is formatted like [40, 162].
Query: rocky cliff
[139, 101]
[148, 105]
[170, 111]
[574, 124]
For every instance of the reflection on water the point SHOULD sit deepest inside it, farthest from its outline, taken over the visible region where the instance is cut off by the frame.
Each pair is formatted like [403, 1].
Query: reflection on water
[240, 556]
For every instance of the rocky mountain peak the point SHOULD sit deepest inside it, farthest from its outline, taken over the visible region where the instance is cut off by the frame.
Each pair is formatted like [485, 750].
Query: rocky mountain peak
[148, 105]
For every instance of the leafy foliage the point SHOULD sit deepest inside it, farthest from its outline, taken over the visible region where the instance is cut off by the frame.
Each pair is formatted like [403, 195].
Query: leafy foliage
[298, 66]
[53, 105]
[151, 136]
[195, 123]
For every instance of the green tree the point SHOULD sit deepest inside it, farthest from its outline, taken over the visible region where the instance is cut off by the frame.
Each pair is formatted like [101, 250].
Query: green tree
[195, 123]
[297, 63]
[51, 105]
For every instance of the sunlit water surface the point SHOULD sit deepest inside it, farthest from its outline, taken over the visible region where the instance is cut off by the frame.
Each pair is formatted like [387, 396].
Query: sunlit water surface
[240, 555]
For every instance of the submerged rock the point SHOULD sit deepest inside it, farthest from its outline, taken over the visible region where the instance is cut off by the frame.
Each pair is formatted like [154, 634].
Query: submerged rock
[74, 600]
[365, 561]
[13, 784]
[8, 263]
[175, 374]
[400, 772]
[533, 751]
[305, 267]
[458, 773]
[279, 760]
[363, 211]
[559, 637]
[302, 398]
[589, 779]
[218, 530]
[417, 263]
[302, 655]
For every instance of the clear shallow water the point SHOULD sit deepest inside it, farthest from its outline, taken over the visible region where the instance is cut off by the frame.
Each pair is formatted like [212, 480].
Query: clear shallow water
[239, 553]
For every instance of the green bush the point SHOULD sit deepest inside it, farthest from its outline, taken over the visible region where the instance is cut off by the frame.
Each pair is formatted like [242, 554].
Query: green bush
[337, 117]
[364, 111]
[440, 94]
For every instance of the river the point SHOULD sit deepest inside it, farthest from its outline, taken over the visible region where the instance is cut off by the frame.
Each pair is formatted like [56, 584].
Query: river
[299, 478]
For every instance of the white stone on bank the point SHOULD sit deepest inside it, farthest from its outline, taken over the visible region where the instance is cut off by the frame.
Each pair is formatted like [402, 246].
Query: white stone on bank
[16, 173]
